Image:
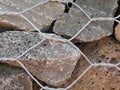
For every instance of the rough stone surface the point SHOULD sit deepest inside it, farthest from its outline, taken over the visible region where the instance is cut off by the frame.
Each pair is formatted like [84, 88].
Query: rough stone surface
[17, 5]
[99, 78]
[14, 43]
[70, 23]
[98, 8]
[52, 62]
[117, 32]
[106, 50]
[12, 78]
[42, 16]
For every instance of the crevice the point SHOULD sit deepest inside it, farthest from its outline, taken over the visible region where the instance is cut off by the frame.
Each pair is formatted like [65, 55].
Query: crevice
[4, 29]
[67, 7]
[50, 29]
[74, 0]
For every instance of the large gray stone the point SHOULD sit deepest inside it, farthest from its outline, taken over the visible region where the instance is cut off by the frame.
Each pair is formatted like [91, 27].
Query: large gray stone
[41, 16]
[70, 23]
[12, 78]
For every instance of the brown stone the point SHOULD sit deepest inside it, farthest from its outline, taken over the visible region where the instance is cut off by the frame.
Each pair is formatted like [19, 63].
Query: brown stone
[52, 62]
[117, 32]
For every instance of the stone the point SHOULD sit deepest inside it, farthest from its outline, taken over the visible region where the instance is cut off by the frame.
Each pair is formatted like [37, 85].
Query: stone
[41, 16]
[98, 78]
[13, 78]
[73, 21]
[117, 32]
[17, 5]
[106, 50]
[98, 8]
[52, 61]
[15, 43]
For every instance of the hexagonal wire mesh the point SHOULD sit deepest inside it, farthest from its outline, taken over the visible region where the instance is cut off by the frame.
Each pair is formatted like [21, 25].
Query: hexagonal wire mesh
[63, 40]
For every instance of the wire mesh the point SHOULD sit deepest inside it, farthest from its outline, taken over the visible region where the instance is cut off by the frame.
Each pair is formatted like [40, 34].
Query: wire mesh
[63, 40]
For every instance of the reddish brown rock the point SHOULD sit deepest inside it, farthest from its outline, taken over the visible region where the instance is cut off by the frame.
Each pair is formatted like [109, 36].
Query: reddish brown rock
[99, 78]
[105, 50]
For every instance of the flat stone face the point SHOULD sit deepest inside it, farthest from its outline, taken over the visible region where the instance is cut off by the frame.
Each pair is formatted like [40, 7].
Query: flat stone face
[14, 43]
[41, 16]
[12, 78]
[98, 8]
[71, 23]
[52, 61]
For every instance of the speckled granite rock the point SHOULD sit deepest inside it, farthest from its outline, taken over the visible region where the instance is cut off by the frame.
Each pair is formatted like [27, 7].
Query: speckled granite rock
[12, 78]
[42, 16]
[70, 23]
[52, 61]
[14, 43]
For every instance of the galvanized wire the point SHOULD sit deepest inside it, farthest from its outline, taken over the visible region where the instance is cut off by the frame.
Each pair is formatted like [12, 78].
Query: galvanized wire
[63, 40]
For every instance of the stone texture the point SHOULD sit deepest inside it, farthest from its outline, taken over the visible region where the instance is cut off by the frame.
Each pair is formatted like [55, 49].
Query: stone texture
[70, 23]
[12, 78]
[117, 32]
[99, 78]
[17, 5]
[52, 62]
[42, 16]
[105, 50]
[14, 43]
[98, 8]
